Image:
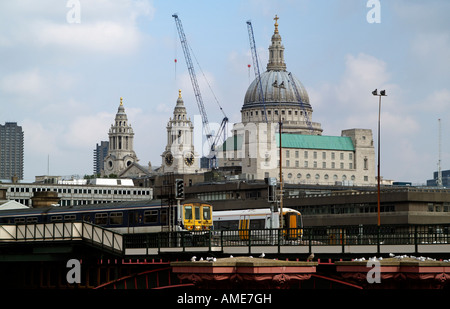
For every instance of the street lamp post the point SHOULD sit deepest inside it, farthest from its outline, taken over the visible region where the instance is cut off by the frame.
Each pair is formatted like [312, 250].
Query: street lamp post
[381, 94]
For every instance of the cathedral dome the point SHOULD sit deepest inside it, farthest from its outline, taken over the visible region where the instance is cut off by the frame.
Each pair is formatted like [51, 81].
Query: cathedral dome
[277, 88]
[278, 95]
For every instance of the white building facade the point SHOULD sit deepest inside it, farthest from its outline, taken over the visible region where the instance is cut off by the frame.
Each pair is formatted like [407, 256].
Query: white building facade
[101, 191]
[279, 100]
[179, 156]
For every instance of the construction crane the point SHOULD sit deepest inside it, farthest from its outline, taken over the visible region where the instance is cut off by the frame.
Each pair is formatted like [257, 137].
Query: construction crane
[211, 140]
[302, 104]
[256, 64]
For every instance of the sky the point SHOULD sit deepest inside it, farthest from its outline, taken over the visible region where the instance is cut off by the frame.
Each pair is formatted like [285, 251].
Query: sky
[64, 64]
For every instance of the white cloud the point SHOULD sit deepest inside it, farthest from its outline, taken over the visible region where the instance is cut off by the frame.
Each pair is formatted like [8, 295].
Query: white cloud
[438, 101]
[87, 130]
[105, 26]
[104, 37]
[349, 103]
[350, 99]
[40, 139]
[363, 74]
[30, 83]
[34, 83]
[163, 108]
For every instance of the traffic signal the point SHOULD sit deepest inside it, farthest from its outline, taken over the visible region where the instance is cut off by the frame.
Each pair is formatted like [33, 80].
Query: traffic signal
[179, 189]
[271, 190]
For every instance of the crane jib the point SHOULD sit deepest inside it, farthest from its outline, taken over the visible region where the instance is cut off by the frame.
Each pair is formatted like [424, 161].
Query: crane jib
[209, 136]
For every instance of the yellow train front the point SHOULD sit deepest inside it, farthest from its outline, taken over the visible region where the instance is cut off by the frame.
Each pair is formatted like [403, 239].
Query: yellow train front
[196, 216]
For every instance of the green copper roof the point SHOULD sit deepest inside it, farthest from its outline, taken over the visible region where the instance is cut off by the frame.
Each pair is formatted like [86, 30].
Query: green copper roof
[298, 141]
[315, 142]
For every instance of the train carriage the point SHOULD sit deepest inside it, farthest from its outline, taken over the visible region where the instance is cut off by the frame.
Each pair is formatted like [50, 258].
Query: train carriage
[259, 219]
[124, 217]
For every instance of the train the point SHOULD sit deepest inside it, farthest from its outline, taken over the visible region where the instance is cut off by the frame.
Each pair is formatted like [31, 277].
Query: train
[147, 216]
[259, 219]
[152, 216]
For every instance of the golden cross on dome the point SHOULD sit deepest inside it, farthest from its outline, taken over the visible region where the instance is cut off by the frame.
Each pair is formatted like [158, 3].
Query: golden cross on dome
[276, 23]
[179, 93]
[121, 101]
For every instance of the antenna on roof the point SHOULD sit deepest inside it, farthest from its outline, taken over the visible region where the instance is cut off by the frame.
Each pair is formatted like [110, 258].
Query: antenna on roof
[439, 175]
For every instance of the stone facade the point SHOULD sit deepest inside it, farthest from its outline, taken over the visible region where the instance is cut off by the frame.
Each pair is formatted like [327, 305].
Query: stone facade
[278, 99]
[347, 159]
[120, 153]
[179, 156]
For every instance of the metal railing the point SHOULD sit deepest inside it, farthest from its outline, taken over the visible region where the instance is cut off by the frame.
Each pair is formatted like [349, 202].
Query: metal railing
[368, 235]
[311, 236]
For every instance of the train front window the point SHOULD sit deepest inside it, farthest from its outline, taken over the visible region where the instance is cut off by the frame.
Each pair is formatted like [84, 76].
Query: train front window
[206, 213]
[188, 212]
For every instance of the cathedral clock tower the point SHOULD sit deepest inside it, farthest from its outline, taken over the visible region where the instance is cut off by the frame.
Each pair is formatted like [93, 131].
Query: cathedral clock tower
[120, 152]
[179, 156]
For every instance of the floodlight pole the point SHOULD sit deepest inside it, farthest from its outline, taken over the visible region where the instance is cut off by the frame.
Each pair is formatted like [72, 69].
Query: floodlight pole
[382, 93]
[281, 175]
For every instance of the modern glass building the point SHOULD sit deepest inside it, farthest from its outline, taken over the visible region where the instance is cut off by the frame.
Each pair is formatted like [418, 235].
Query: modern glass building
[100, 153]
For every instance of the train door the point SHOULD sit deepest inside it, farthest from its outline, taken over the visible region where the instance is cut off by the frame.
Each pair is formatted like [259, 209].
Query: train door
[133, 220]
[244, 225]
[197, 218]
[268, 222]
[292, 224]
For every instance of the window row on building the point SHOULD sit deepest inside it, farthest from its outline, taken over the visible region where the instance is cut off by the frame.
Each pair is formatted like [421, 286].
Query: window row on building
[72, 190]
[316, 154]
[273, 114]
[71, 195]
[350, 208]
[315, 164]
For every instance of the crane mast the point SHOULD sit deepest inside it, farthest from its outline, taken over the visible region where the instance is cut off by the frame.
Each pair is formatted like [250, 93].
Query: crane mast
[439, 175]
[256, 64]
[212, 142]
[190, 66]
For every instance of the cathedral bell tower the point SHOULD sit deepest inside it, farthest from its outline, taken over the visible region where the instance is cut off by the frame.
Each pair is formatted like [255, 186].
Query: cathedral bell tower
[179, 156]
[120, 152]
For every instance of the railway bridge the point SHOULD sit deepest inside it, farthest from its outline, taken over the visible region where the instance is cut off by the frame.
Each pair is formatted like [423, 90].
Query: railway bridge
[37, 255]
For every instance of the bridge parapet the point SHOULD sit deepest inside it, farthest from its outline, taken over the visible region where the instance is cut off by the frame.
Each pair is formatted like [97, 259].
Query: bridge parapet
[62, 231]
